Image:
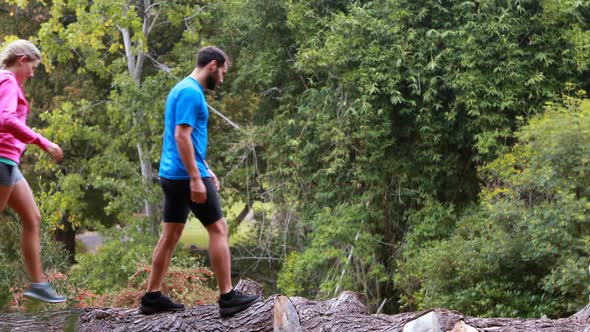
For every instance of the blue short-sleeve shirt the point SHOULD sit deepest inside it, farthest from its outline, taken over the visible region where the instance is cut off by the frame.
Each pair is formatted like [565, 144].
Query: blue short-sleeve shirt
[186, 104]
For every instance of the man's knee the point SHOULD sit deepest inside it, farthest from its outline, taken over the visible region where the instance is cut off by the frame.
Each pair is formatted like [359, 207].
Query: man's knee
[172, 233]
[218, 228]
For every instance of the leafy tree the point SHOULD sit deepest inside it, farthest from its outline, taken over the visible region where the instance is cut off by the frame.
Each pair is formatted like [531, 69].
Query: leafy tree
[127, 45]
[524, 250]
[397, 104]
[363, 127]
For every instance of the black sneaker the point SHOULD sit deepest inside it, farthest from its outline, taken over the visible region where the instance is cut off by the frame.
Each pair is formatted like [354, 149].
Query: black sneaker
[160, 303]
[237, 303]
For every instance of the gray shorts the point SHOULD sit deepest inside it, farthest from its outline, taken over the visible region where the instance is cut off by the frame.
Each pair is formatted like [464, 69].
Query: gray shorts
[9, 175]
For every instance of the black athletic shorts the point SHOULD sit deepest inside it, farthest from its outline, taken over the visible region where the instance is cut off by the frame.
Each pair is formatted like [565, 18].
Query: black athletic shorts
[177, 202]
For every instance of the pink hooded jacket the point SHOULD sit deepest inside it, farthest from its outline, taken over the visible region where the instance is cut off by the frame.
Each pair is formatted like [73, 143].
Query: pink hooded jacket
[14, 133]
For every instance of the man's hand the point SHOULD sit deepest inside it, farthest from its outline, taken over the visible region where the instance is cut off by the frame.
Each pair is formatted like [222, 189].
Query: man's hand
[55, 151]
[214, 178]
[198, 191]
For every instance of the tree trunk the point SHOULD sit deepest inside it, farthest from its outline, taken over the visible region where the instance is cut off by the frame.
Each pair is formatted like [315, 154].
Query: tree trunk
[278, 313]
[135, 60]
[344, 313]
[67, 237]
[147, 174]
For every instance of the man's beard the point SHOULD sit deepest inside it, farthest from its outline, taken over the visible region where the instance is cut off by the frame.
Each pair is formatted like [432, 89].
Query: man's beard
[211, 82]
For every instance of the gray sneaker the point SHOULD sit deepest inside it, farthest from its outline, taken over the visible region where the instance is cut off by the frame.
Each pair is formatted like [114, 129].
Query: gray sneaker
[44, 292]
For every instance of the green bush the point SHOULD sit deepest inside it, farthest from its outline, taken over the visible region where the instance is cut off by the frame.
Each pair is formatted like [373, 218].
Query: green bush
[109, 268]
[124, 251]
[13, 277]
[7, 281]
[340, 246]
[525, 249]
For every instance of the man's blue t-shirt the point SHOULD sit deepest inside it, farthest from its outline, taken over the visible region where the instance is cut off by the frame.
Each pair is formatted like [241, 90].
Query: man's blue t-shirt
[185, 105]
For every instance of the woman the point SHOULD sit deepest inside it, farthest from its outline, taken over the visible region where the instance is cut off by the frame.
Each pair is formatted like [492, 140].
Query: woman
[18, 62]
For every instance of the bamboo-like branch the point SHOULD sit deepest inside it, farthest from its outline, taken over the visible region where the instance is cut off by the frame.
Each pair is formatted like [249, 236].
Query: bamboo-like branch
[153, 23]
[224, 117]
[127, 42]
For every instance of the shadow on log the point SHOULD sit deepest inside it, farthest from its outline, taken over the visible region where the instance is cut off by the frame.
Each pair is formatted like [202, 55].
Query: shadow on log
[277, 313]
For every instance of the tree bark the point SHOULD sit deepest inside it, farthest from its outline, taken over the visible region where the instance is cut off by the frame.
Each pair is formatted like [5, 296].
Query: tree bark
[347, 312]
[62, 320]
[344, 313]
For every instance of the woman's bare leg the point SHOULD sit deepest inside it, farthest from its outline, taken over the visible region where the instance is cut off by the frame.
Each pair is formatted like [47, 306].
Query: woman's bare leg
[5, 192]
[21, 200]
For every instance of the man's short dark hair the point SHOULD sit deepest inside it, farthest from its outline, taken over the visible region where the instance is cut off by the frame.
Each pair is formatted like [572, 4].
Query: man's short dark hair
[210, 53]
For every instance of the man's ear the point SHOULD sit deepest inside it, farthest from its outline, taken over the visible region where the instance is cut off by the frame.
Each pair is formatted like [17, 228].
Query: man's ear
[213, 65]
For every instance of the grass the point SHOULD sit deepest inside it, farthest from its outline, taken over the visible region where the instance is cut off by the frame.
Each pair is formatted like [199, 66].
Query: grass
[195, 233]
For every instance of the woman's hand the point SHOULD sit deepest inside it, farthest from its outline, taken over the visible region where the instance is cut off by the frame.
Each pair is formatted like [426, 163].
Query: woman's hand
[55, 151]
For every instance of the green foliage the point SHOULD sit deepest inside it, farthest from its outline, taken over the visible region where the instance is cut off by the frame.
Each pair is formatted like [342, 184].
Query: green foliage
[123, 47]
[13, 276]
[431, 223]
[386, 109]
[364, 124]
[187, 281]
[188, 285]
[7, 281]
[341, 247]
[125, 251]
[53, 256]
[524, 250]
[109, 269]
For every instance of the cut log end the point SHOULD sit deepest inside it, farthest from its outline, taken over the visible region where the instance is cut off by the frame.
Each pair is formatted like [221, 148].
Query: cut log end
[285, 316]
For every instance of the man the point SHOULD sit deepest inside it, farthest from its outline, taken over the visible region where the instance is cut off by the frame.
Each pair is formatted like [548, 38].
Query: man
[189, 184]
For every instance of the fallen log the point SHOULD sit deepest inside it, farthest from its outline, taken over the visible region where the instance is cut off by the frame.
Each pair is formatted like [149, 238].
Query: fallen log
[278, 313]
[52, 321]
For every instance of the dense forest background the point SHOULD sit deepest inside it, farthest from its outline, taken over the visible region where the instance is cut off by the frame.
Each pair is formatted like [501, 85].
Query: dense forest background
[424, 153]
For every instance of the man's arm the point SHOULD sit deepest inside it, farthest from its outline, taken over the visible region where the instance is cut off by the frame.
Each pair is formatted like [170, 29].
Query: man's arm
[182, 135]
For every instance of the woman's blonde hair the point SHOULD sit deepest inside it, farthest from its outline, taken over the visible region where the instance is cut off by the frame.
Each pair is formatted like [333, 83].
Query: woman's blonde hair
[17, 49]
